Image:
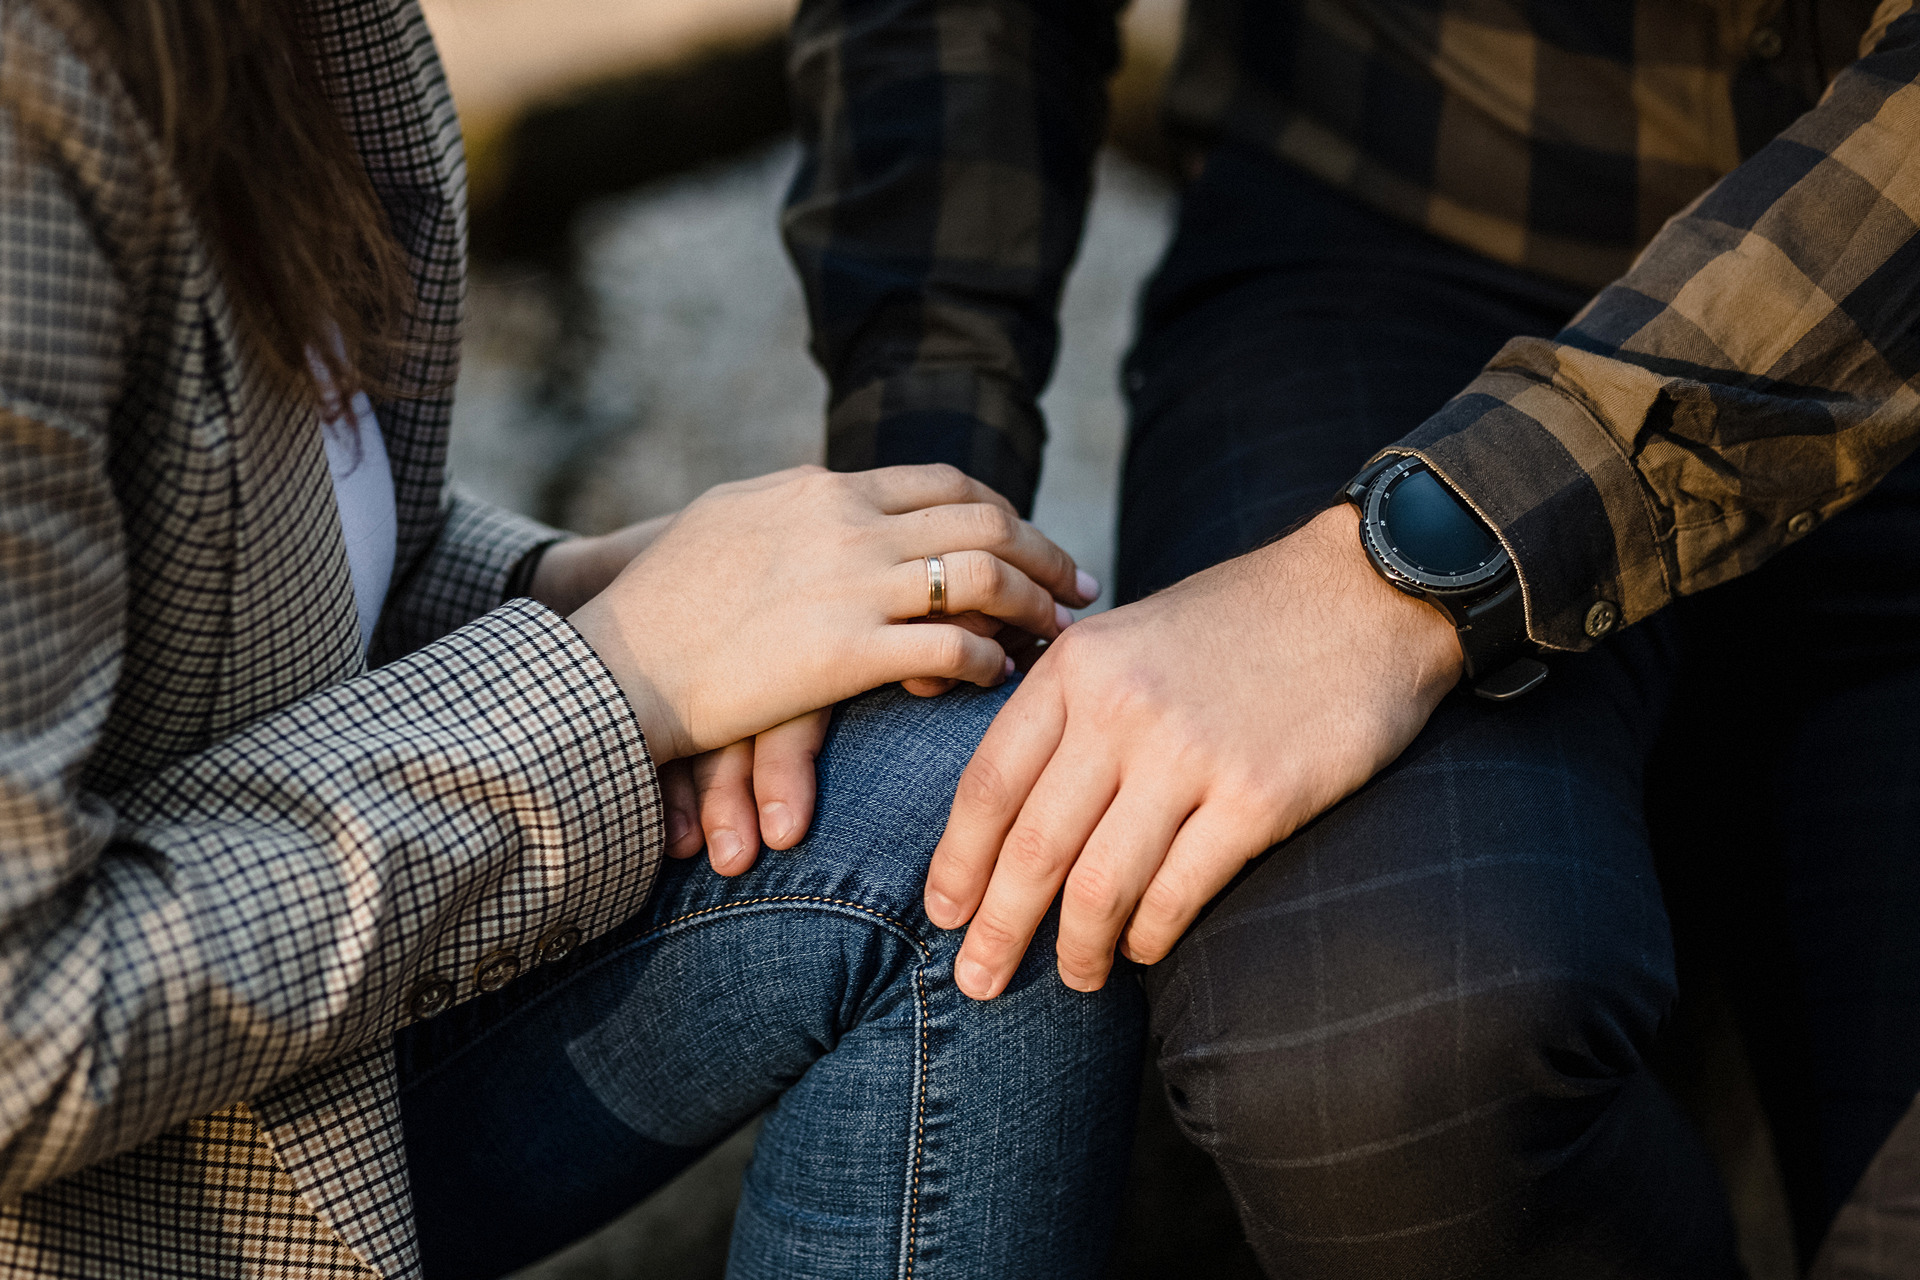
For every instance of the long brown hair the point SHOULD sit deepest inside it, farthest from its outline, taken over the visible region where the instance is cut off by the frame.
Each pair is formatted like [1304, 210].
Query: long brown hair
[233, 91]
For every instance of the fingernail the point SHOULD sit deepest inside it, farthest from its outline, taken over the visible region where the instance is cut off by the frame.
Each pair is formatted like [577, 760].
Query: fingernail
[724, 847]
[1006, 668]
[972, 978]
[776, 821]
[678, 824]
[1086, 583]
[1075, 982]
[942, 910]
[1061, 617]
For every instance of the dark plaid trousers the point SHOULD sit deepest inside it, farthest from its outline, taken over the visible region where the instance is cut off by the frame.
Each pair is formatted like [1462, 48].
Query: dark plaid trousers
[1417, 1036]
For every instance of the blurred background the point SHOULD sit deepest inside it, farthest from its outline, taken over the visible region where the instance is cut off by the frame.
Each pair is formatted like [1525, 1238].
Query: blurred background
[636, 336]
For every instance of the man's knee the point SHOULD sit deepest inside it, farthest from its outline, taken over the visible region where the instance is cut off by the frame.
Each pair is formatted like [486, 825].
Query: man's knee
[1360, 1056]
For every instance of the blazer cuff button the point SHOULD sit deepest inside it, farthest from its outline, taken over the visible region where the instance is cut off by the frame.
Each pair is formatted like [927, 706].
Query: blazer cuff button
[430, 995]
[556, 944]
[496, 971]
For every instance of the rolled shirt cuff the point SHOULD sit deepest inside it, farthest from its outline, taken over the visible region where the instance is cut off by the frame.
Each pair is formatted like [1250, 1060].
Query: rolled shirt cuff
[1539, 467]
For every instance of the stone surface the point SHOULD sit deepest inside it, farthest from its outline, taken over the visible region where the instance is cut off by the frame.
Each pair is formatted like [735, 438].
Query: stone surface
[678, 358]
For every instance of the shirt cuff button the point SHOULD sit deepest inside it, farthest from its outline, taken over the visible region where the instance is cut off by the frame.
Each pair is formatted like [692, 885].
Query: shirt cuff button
[1601, 617]
[1802, 525]
[431, 995]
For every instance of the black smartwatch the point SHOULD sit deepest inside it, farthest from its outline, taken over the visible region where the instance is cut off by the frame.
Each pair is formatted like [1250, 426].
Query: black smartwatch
[1425, 541]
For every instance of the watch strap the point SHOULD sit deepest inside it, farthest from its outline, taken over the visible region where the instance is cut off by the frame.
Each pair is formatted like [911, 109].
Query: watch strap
[1493, 639]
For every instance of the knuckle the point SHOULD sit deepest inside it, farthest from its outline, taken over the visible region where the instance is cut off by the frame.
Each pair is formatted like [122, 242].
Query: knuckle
[989, 525]
[986, 575]
[1066, 653]
[1091, 894]
[990, 934]
[983, 787]
[1081, 959]
[1028, 853]
[945, 476]
[1160, 905]
[947, 650]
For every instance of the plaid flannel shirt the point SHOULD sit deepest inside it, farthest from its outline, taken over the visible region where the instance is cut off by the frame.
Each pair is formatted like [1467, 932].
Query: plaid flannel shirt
[1746, 377]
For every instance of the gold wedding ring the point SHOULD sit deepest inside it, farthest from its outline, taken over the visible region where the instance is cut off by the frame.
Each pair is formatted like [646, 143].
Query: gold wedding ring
[936, 587]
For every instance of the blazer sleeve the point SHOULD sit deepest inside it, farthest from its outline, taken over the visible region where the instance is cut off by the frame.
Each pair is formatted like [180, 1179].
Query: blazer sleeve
[1753, 373]
[281, 896]
[471, 568]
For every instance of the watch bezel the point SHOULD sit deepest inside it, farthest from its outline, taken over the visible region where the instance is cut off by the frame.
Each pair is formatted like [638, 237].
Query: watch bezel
[1397, 568]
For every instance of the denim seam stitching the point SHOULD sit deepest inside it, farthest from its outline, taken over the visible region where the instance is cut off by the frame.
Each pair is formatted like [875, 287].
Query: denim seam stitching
[903, 926]
[920, 1119]
[903, 929]
[920, 1000]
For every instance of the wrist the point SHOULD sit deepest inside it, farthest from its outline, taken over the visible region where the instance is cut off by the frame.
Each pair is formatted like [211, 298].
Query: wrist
[1419, 631]
[556, 578]
[647, 693]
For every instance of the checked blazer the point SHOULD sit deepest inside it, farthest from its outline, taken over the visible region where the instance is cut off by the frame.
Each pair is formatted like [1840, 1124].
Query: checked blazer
[233, 859]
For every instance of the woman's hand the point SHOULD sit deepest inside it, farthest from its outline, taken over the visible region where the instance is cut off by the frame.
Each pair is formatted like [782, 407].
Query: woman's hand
[767, 599]
[761, 791]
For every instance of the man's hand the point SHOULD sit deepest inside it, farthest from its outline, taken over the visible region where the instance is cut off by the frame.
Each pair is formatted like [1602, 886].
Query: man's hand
[1156, 748]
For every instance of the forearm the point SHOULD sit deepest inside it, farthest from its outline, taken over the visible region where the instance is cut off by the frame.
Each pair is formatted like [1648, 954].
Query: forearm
[278, 899]
[575, 570]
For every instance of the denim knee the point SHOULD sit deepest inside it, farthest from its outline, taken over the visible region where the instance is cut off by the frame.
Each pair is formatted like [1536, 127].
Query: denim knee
[887, 776]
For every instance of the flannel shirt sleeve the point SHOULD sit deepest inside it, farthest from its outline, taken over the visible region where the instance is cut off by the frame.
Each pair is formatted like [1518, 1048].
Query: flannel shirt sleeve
[268, 902]
[1751, 375]
[947, 150]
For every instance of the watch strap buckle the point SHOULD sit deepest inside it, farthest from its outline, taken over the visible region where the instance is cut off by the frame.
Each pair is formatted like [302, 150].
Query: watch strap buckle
[1520, 676]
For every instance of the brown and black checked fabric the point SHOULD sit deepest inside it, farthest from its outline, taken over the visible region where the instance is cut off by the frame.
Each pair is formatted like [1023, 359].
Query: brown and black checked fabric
[1557, 137]
[946, 168]
[1753, 374]
[1747, 377]
[228, 850]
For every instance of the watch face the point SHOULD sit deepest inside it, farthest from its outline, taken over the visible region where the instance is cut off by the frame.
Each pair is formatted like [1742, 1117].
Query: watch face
[1424, 532]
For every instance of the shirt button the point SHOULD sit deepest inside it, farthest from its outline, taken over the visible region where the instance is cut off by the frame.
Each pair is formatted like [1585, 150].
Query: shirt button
[431, 995]
[496, 971]
[1766, 43]
[1601, 617]
[556, 944]
[1802, 525]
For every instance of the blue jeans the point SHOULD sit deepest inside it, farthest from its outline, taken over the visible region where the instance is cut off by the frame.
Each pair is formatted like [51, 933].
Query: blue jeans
[913, 1132]
[1418, 1037]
